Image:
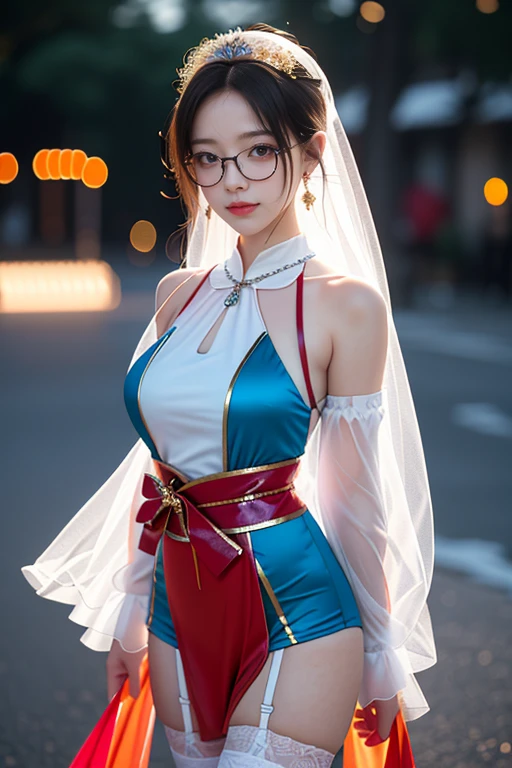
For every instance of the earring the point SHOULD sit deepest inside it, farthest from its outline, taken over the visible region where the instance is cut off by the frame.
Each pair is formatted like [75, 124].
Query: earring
[308, 197]
[208, 212]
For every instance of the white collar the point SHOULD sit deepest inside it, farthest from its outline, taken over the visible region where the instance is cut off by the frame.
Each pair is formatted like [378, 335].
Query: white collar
[270, 258]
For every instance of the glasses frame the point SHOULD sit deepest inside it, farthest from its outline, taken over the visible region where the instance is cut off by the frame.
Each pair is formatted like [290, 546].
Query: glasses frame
[277, 151]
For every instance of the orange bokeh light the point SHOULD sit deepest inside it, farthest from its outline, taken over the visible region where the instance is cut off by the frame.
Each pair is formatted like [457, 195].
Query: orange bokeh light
[58, 286]
[94, 172]
[40, 164]
[372, 12]
[495, 191]
[78, 160]
[143, 236]
[487, 6]
[53, 164]
[65, 164]
[8, 167]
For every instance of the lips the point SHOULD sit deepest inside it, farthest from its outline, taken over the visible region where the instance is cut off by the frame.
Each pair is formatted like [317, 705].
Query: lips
[242, 208]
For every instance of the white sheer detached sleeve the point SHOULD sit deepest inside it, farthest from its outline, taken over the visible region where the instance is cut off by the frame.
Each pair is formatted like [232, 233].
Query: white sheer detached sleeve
[94, 563]
[362, 507]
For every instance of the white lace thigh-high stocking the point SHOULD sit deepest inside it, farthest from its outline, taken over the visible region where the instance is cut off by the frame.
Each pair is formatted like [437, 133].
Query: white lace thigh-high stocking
[186, 747]
[248, 746]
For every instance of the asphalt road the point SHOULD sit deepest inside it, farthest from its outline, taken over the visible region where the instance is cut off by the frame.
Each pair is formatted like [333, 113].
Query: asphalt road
[64, 430]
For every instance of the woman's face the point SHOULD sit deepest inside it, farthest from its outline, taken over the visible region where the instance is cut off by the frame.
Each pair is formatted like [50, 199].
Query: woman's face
[225, 125]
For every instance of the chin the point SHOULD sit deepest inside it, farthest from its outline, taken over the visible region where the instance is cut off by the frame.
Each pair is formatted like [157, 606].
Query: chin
[246, 226]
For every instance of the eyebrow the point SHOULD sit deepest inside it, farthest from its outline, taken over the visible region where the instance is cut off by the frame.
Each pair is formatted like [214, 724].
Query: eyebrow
[246, 135]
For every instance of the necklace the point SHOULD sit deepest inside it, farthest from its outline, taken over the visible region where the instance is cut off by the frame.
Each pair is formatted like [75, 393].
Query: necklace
[234, 296]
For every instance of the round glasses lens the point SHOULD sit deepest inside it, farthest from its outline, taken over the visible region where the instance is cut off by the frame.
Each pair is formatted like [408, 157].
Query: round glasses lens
[258, 163]
[205, 168]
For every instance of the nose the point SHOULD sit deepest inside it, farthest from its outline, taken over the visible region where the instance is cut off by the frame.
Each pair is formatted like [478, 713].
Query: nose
[233, 179]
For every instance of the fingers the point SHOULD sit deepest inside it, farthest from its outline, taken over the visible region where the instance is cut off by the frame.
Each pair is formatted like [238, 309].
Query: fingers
[366, 726]
[120, 666]
[374, 739]
[133, 668]
[115, 679]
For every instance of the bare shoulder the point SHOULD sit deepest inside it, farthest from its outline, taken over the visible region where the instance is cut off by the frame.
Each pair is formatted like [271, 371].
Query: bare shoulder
[354, 299]
[173, 292]
[345, 296]
[357, 317]
[173, 280]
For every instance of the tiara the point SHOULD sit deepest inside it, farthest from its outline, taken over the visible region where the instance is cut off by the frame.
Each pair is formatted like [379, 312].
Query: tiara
[232, 45]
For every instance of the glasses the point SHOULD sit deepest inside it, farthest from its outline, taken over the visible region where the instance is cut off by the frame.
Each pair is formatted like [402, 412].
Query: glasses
[257, 163]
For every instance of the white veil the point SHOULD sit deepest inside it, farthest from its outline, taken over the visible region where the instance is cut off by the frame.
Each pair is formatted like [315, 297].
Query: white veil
[94, 562]
[340, 226]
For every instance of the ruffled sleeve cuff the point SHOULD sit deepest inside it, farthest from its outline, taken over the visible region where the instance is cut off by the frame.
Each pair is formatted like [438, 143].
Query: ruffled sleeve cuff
[116, 610]
[388, 673]
[123, 618]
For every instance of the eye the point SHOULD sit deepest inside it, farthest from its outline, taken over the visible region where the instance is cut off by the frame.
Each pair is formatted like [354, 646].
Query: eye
[205, 158]
[263, 151]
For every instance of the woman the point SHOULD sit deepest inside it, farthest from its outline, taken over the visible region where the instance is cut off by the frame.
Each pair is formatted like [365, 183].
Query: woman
[272, 527]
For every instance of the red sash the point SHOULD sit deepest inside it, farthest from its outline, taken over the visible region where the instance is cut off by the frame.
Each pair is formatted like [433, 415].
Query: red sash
[211, 578]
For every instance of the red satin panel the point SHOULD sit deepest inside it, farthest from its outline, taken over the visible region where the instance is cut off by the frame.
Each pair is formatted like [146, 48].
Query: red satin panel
[300, 338]
[221, 630]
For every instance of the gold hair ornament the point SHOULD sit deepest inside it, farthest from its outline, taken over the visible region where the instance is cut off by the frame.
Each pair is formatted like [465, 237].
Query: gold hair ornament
[232, 45]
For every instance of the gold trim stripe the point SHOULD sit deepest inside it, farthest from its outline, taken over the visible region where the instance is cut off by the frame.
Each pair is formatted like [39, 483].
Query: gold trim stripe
[153, 591]
[275, 602]
[162, 342]
[228, 399]
[176, 537]
[247, 528]
[247, 497]
[235, 472]
[266, 523]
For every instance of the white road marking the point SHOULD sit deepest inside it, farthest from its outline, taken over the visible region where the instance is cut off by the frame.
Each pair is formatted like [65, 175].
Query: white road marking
[470, 345]
[484, 561]
[485, 418]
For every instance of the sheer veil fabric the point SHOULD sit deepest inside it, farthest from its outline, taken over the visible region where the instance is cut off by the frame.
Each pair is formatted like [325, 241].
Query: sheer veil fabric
[363, 475]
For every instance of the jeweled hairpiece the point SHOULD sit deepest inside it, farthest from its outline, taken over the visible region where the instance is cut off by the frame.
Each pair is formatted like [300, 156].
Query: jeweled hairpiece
[231, 45]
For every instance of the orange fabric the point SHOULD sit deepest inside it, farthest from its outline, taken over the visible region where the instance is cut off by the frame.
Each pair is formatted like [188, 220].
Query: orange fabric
[133, 732]
[122, 736]
[395, 752]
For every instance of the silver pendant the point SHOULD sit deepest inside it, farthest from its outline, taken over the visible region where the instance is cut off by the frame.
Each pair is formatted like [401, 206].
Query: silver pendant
[233, 297]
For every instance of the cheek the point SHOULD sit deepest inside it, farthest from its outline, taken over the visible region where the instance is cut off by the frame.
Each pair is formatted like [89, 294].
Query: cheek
[215, 197]
[274, 190]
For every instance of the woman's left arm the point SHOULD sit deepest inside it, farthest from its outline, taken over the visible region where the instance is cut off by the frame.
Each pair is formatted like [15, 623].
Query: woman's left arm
[359, 335]
[350, 484]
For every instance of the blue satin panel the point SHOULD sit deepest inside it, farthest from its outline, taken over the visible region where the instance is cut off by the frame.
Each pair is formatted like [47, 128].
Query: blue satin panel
[305, 575]
[268, 420]
[131, 389]
[307, 579]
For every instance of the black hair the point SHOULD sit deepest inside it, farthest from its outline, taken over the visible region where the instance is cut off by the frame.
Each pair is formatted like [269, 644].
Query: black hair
[289, 106]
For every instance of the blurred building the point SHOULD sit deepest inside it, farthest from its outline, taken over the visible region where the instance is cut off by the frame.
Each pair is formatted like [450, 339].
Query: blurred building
[454, 136]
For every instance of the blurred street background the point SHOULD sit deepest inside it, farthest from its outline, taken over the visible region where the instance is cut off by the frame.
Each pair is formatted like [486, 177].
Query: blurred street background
[424, 90]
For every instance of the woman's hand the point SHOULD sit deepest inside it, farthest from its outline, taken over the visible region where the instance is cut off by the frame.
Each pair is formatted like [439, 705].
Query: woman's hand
[376, 720]
[120, 665]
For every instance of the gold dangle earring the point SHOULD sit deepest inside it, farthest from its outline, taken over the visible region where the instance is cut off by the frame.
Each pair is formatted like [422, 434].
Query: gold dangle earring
[208, 212]
[308, 197]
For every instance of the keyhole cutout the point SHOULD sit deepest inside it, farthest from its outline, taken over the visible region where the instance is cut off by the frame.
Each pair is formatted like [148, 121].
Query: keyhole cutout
[207, 342]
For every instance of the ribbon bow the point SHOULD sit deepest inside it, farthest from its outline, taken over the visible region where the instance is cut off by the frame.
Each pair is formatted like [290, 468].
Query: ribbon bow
[212, 545]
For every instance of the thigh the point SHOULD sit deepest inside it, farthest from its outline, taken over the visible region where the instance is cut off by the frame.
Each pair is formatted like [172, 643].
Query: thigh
[164, 684]
[316, 691]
